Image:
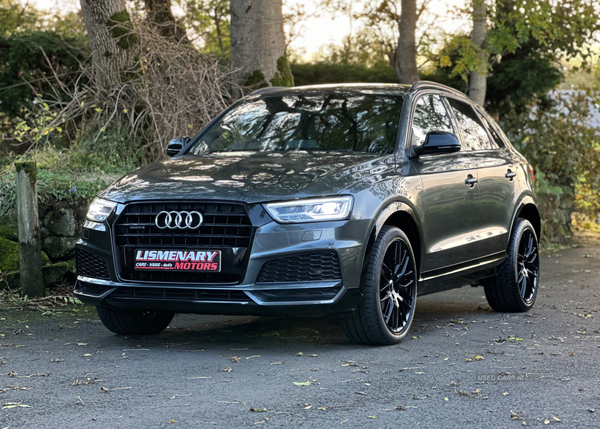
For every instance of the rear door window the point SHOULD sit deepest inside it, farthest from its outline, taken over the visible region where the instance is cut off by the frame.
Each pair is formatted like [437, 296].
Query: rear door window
[496, 139]
[474, 134]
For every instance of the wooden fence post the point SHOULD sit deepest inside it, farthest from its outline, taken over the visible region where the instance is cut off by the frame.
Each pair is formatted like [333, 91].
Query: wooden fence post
[30, 243]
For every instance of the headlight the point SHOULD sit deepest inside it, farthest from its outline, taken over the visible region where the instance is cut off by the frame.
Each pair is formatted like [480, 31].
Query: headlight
[321, 209]
[100, 209]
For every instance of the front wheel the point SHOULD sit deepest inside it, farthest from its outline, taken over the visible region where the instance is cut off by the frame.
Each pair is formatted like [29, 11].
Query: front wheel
[515, 286]
[134, 322]
[387, 309]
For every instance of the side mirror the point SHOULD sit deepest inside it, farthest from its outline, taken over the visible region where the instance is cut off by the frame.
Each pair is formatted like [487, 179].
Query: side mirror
[175, 145]
[438, 142]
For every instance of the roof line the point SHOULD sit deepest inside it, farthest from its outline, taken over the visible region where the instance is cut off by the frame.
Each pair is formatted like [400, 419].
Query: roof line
[425, 84]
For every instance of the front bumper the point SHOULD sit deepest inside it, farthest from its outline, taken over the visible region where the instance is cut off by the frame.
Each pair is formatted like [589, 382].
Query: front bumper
[271, 242]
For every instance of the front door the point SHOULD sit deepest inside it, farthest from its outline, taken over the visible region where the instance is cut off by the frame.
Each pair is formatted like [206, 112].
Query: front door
[449, 198]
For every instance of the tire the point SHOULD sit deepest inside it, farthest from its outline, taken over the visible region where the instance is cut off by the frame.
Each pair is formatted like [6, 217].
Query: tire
[134, 322]
[515, 286]
[386, 311]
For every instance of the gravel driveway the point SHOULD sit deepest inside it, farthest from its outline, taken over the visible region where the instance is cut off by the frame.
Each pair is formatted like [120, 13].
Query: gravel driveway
[465, 366]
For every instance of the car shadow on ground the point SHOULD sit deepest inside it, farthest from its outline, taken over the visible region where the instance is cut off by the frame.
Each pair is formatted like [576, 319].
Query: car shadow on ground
[269, 332]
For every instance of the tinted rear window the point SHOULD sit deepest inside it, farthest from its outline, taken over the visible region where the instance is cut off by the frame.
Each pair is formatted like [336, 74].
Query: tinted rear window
[329, 122]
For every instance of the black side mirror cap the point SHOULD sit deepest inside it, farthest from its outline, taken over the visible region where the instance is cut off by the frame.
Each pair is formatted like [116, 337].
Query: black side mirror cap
[438, 142]
[176, 145]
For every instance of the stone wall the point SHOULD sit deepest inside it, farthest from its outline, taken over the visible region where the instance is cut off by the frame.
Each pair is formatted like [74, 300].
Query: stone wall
[60, 228]
[556, 211]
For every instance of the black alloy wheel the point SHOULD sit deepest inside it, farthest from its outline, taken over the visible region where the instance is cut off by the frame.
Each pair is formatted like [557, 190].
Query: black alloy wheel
[397, 286]
[528, 266]
[387, 309]
[516, 284]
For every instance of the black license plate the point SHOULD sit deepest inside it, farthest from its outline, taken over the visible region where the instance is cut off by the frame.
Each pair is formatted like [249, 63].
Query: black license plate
[178, 260]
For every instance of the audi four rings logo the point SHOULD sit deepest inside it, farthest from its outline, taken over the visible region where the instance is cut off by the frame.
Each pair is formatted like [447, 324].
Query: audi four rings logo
[178, 220]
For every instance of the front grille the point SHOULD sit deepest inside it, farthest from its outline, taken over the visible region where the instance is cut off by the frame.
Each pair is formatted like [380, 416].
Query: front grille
[180, 294]
[90, 265]
[224, 226]
[303, 268]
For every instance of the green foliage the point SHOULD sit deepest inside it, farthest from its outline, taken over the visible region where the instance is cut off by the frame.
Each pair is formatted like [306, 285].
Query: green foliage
[210, 20]
[327, 72]
[68, 176]
[560, 143]
[24, 68]
[519, 80]
[14, 15]
[545, 30]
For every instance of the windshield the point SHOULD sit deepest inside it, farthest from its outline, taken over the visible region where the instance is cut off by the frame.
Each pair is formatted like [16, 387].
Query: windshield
[324, 122]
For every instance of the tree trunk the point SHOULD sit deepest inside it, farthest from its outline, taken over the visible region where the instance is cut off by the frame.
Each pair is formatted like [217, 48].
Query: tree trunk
[478, 79]
[406, 52]
[258, 44]
[109, 29]
[160, 15]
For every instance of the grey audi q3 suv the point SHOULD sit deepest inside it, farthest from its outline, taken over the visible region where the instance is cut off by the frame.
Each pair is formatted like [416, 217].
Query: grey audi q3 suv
[346, 200]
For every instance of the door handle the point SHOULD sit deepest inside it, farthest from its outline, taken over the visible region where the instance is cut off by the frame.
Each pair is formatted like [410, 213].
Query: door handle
[510, 174]
[470, 180]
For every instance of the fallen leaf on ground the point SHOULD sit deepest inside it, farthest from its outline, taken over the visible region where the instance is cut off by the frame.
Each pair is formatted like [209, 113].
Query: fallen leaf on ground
[515, 416]
[302, 383]
[258, 410]
[475, 358]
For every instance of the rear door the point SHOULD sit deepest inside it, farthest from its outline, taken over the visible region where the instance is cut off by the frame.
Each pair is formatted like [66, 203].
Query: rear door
[448, 205]
[496, 174]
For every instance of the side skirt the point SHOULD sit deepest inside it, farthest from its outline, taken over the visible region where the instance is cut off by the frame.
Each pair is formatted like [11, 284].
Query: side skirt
[460, 275]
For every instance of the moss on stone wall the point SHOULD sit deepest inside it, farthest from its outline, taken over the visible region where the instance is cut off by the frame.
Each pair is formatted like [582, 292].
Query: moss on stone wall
[9, 255]
[121, 28]
[9, 232]
[283, 75]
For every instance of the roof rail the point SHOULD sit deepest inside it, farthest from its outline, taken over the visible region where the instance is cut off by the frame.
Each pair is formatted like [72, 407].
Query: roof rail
[425, 84]
[267, 89]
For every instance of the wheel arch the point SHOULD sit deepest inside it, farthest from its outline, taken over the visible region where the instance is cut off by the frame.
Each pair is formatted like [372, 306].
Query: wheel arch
[400, 215]
[528, 209]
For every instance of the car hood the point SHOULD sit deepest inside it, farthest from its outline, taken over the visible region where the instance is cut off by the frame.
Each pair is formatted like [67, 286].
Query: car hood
[250, 177]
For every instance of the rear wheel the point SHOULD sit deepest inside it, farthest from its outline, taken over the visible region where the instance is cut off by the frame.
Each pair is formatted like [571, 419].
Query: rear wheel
[515, 286]
[387, 309]
[134, 322]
